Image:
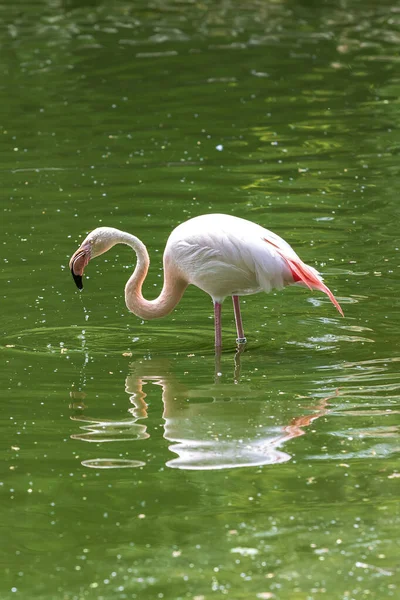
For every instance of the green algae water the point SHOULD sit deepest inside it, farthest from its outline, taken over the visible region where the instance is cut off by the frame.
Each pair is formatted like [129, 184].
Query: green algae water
[136, 464]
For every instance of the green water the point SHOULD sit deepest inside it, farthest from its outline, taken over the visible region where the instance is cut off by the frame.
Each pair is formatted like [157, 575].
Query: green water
[134, 464]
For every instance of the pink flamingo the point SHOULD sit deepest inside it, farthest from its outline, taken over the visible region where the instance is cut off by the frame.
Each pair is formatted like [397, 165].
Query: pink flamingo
[220, 254]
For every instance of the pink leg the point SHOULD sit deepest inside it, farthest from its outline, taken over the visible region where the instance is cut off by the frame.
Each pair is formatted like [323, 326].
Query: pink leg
[238, 318]
[217, 323]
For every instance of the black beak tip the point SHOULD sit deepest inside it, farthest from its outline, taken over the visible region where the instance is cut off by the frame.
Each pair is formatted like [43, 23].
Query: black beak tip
[78, 280]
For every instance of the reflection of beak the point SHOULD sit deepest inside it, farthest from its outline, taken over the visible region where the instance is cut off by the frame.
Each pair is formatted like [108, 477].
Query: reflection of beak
[78, 262]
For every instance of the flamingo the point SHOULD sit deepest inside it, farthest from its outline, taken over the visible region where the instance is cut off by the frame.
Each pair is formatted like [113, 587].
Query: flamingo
[221, 254]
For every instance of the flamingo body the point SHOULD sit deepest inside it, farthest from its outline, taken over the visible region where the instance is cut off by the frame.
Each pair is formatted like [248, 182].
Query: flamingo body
[221, 254]
[225, 256]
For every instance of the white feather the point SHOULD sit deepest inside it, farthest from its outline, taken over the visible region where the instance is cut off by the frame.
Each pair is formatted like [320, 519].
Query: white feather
[225, 255]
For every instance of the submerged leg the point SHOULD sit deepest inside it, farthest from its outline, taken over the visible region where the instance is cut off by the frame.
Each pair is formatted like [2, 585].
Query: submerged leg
[218, 372]
[217, 324]
[236, 373]
[238, 318]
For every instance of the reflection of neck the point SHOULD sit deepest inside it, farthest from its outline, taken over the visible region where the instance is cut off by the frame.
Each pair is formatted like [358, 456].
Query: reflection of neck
[174, 395]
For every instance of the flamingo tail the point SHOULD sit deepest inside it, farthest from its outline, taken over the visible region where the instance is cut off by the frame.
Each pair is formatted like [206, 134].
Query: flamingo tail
[307, 275]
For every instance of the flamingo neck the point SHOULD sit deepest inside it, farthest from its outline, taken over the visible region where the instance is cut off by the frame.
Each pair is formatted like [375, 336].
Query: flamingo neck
[171, 293]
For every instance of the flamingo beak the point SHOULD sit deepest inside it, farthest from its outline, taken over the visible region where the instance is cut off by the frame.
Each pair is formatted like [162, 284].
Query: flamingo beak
[78, 262]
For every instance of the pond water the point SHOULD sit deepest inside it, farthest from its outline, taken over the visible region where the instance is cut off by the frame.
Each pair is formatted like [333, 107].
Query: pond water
[136, 464]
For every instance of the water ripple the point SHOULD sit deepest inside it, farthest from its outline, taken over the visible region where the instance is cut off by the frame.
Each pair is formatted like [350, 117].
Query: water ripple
[112, 463]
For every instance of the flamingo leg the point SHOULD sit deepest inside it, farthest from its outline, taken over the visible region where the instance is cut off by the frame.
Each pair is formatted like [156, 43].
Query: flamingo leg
[217, 324]
[238, 318]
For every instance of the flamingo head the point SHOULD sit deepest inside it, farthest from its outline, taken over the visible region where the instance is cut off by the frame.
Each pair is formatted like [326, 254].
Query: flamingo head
[97, 242]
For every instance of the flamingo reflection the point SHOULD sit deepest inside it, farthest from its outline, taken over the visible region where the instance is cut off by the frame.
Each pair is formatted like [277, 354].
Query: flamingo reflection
[218, 426]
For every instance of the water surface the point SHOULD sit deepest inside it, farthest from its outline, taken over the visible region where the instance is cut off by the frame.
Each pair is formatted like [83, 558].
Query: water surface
[135, 464]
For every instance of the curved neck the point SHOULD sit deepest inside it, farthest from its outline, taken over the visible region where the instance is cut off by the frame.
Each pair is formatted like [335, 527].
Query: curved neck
[171, 293]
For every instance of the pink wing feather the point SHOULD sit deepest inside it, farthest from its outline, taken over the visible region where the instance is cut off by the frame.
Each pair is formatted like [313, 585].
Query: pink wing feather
[302, 272]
